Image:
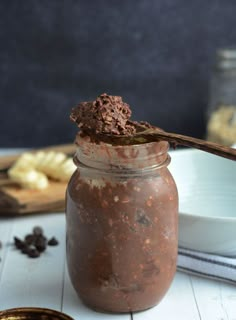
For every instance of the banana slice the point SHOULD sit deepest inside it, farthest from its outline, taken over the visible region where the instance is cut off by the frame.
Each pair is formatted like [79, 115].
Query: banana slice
[32, 170]
[28, 178]
[49, 162]
[25, 161]
[64, 170]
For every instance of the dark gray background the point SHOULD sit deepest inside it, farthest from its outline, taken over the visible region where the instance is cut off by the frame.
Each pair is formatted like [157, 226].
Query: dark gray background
[156, 54]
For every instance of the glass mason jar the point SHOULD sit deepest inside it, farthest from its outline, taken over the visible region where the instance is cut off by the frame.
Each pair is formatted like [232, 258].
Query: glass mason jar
[221, 126]
[122, 225]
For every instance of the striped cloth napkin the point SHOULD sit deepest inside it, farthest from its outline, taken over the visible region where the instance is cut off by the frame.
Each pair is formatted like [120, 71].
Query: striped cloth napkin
[207, 265]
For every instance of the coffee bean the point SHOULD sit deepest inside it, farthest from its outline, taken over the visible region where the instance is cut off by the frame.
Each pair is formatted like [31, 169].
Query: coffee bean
[53, 242]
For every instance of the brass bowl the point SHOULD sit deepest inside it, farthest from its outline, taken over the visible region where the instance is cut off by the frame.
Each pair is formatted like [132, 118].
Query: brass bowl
[33, 314]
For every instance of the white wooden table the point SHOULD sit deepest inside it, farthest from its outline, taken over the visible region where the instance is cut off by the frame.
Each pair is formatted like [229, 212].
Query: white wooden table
[44, 282]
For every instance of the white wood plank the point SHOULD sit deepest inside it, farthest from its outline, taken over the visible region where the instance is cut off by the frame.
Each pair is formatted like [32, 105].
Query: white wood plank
[34, 282]
[228, 300]
[5, 232]
[215, 300]
[73, 306]
[178, 304]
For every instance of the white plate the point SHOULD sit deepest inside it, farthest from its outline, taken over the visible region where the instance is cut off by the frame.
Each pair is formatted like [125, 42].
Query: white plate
[207, 195]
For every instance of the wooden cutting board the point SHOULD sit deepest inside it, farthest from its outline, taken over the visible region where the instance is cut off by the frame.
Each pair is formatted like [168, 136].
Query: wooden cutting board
[15, 200]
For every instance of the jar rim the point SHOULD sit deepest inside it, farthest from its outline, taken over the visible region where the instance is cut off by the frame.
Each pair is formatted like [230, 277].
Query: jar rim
[131, 157]
[120, 172]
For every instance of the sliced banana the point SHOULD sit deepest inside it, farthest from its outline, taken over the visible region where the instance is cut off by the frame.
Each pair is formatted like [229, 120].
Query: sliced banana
[64, 171]
[28, 178]
[25, 161]
[31, 170]
[49, 162]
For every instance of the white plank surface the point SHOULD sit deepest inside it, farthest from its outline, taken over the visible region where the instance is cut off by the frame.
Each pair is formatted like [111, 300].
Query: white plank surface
[34, 282]
[178, 304]
[44, 282]
[215, 300]
[5, 230]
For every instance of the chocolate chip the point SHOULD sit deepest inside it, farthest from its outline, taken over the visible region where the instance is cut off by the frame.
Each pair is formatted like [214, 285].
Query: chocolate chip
[19, 244]
[30, 238]
[33, 253]
[34, 243]
[41, 244]
[25, 249]
[53, 242]
[37, 231]
[142, 218]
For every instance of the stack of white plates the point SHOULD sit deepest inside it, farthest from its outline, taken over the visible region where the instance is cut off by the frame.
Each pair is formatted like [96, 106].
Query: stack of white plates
[207, 194]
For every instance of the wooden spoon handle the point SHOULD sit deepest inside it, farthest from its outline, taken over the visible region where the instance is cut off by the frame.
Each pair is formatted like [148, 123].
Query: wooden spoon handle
[211, 147]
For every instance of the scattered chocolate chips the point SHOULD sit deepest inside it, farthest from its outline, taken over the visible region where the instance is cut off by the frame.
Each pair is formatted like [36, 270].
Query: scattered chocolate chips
[34, 243]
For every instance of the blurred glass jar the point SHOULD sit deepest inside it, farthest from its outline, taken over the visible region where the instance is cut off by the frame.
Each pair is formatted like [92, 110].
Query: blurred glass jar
[221, 125]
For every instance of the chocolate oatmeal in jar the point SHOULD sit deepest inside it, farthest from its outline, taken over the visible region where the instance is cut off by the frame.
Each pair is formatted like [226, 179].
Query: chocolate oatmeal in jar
[122, 226]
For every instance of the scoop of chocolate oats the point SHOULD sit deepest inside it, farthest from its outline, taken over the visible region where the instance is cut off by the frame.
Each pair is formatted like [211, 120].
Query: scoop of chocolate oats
[107, 114]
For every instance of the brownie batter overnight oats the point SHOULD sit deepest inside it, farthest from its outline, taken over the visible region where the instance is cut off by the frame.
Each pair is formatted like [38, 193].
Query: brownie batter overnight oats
[121, 212]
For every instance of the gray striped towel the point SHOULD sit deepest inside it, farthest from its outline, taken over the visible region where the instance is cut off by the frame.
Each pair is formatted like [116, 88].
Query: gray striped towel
[207, 265]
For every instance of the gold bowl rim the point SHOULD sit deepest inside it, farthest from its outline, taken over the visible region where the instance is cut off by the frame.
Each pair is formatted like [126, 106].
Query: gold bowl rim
[30, 312]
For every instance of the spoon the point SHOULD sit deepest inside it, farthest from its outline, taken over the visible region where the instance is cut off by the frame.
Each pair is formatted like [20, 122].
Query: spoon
[151, 135]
